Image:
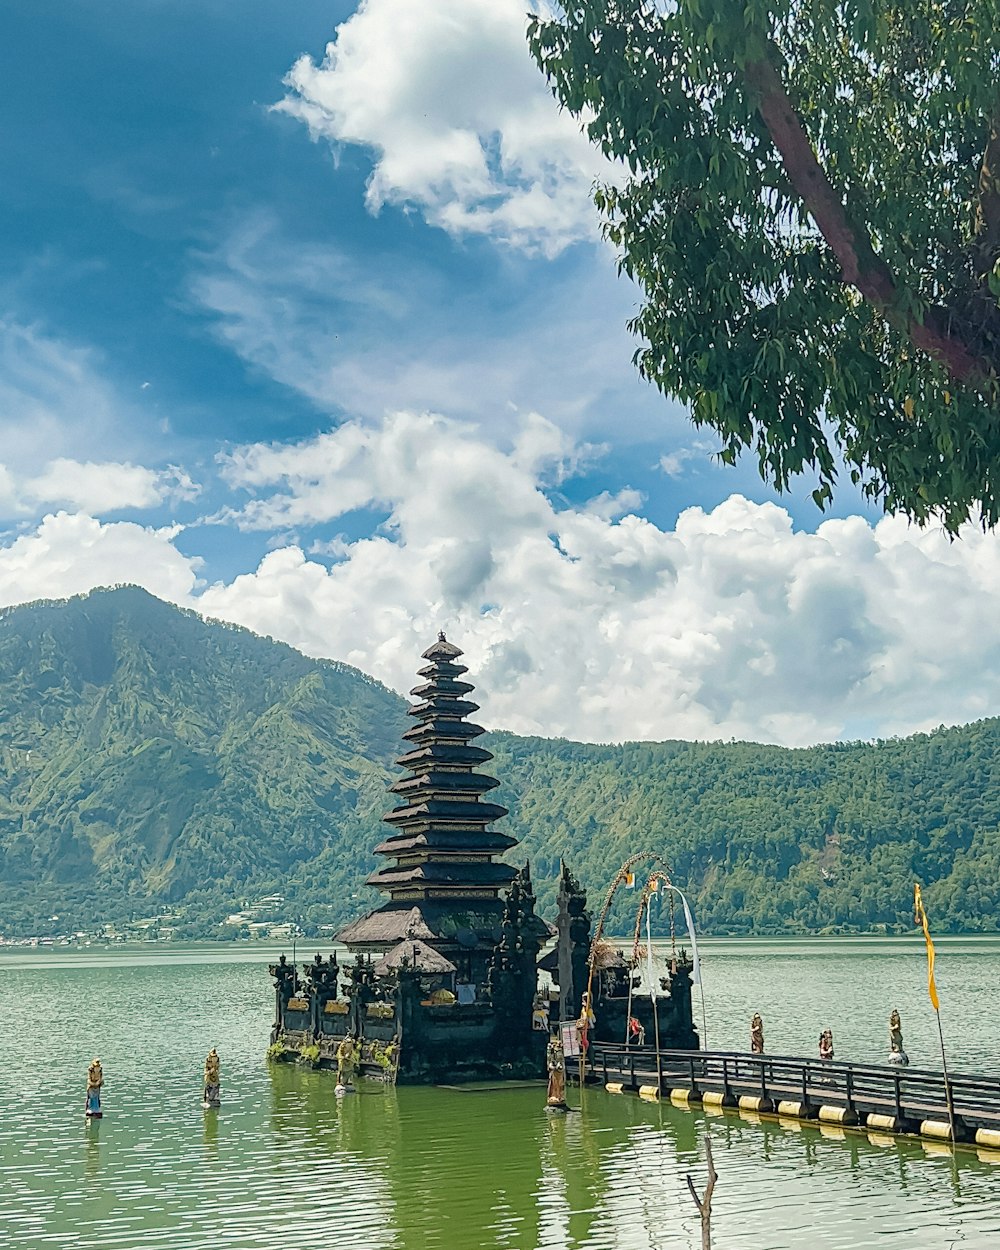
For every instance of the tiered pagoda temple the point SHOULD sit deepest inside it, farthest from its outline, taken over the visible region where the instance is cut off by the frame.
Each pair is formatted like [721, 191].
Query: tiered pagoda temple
[444, 977]
[443, 886]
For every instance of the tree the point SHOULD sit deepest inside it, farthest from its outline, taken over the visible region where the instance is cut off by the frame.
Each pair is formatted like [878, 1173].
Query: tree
[810, 203]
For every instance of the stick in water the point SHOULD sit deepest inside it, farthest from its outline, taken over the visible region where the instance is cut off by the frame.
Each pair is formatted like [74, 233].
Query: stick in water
[704, 1204]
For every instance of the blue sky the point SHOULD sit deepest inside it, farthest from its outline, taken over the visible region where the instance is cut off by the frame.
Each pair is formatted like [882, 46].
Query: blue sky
[324, 340]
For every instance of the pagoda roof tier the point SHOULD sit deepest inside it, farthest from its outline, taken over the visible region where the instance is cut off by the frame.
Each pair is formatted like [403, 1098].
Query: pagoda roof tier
[444, 841]
[457, 873]
[443, 669]
[414, 953]
[443, 705]
[475, 923]
[443, 729]
[446, 812]
[443, 686]
[447, 783]
[445, 753]
[442, 650]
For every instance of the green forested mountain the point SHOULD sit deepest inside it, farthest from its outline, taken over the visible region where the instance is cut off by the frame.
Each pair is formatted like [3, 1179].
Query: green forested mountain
[771, 840]
[149, 758]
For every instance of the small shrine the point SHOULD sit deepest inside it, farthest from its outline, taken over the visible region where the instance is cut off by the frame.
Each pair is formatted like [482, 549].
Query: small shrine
[620, 1008]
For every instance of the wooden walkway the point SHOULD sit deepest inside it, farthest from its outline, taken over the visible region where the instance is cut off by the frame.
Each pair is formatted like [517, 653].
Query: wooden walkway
[887, 1098]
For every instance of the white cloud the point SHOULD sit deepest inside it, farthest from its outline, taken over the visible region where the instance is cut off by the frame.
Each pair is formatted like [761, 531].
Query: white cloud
[461, 122]
[55, 407]
[576, 623]
[608, 506]
[673, 463]
[51, 395]
[320, 323]
[71, 554]
[107, 487]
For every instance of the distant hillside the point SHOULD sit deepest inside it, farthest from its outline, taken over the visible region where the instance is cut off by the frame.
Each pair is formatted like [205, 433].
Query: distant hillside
[148, 756]
[772, 840]
[151, 758]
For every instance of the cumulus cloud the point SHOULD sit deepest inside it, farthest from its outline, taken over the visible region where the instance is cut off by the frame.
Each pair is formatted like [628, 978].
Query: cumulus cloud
[461, 123]
[584, 622]
[69, 554]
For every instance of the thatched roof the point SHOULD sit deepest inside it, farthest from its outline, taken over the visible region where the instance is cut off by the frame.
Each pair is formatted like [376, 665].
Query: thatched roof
[416, 954]
[442, 650]
[386, 926]
[605, 955]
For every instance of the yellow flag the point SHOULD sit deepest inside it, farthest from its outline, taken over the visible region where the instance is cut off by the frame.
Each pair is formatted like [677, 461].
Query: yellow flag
[921, 917]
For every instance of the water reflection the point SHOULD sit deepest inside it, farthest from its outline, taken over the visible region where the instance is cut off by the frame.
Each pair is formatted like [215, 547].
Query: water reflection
[92, 1152]
[210, 1134]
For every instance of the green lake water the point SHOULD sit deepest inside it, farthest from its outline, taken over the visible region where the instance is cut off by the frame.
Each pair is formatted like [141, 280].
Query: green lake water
[286, 1164]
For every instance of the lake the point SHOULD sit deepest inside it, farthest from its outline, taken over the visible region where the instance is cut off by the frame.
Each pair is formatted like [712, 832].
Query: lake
[285, 1163]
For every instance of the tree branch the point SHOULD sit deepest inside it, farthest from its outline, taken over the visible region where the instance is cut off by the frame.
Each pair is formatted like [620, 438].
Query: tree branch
[988, 209]
[861, 266]
[704, 1204]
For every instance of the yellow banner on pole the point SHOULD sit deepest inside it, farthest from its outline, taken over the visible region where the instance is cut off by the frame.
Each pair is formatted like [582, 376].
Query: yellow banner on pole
[921, 918]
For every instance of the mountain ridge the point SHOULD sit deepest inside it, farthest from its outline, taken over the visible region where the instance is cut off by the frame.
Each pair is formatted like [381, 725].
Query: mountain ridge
[153, 758]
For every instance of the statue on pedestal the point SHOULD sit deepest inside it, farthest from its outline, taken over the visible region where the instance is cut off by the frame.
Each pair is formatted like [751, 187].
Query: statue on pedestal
[897, 1055]
[757, 1034]
[95, 1080]
[555, 1061]
[210, 1096]
[347, 1064]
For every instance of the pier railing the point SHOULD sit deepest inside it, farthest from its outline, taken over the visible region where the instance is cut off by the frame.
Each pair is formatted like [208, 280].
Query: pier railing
[908, 1096]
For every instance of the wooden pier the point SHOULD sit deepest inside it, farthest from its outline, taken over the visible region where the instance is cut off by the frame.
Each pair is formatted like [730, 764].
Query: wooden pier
[886, 1098]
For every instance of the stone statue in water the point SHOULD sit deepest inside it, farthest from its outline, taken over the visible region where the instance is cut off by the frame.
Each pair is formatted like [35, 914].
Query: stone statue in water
[95, 1080]
[897, 1055]
[347, 1064]
[757, 1034]
[555, 1061]
[210, 1097]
